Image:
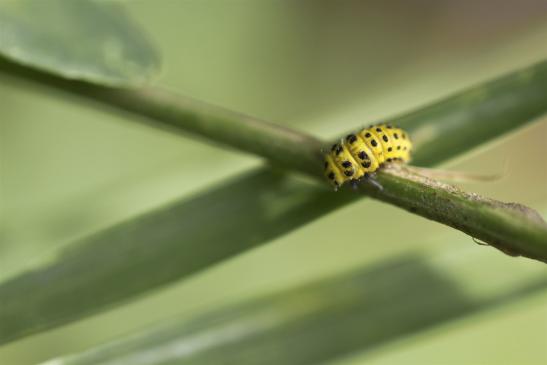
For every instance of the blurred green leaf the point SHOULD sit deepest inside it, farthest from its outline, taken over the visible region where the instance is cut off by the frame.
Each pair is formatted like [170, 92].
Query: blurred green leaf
[176, 241]
[320, 321]
[468, 118]
[157, 248]
[86, 40]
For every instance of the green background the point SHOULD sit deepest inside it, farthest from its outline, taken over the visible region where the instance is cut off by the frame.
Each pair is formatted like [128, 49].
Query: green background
[69, 169]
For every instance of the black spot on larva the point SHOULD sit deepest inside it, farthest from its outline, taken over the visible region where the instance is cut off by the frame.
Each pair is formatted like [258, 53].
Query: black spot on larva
[395, 135]
[389, 126]
[351, 138]
[346, 164]
[366, 164]
[331, 176]
[378, 129]
[374, 143]
[339, 149]
[348, 172]
[362, 155]
[326, 164]
[336, 183]
[404, 136]
[384, 137]
[389, 149]
[398, 147]
[368, 135]
[388, 160]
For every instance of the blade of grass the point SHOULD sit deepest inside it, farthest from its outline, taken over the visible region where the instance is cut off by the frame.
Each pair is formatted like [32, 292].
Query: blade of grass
[320, 321]
[157, 248]
[477, 114]
[41, 298]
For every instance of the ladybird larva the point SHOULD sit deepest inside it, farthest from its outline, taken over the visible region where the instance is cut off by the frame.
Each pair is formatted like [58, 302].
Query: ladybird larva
[362, 153]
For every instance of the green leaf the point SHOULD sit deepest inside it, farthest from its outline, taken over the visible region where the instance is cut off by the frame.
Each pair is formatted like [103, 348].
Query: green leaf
[320, 321]
[157, 248]
[85, 40]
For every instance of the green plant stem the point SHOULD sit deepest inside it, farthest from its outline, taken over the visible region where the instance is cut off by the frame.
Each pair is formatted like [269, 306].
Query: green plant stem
[512, 228]
[439, 130]
[282, 146]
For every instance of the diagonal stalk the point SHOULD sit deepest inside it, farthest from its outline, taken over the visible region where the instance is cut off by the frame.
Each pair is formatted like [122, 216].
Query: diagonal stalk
[440, 131]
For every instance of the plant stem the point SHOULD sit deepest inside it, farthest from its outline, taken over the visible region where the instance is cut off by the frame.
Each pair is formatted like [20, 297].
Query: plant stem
[439, 130]
[282, 146]
[512, 228]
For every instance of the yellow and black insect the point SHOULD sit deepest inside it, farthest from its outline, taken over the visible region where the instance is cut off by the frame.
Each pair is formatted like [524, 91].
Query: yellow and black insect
[360, 154]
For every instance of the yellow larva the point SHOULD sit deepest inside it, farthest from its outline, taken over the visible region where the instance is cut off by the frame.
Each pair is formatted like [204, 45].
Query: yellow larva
[362, 153]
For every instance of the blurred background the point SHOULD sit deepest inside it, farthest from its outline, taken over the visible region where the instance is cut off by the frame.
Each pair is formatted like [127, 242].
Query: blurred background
[69, 169]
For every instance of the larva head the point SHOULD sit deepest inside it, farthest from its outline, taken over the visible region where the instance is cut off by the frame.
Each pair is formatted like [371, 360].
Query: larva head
[332, 173]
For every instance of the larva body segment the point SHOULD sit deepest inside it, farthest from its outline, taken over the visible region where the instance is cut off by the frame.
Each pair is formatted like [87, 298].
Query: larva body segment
[364, 152]
[361, 153]
[371, 141]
